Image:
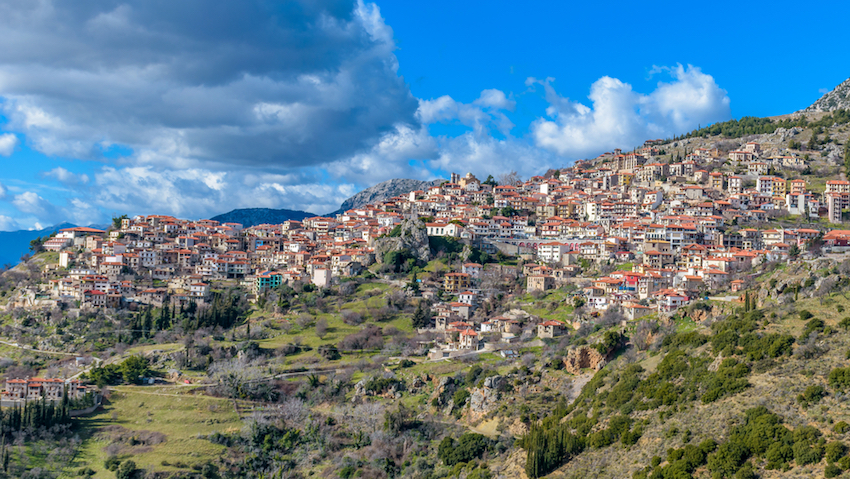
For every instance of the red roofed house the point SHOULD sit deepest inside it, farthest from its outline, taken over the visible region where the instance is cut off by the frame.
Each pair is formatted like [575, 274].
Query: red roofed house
[550, 329]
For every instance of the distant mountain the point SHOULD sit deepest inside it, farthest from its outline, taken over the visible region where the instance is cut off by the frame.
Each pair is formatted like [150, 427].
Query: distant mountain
[14, 244]
[384, 191]
[837, 99]
[248, 217]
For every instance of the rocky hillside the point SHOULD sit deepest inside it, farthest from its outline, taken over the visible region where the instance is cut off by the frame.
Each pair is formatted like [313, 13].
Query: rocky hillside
[837, 99]
[385, 190]
[411, 237]
[257, 216]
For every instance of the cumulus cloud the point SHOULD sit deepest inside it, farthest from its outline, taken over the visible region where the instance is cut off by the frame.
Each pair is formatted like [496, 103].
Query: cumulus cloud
[8, 142]
[621, 117]
[31, 203]
[390, 158]
[64, 176]
[250, 82]
[8, 224]
[482, 115]
[199, 193]
[488, 155]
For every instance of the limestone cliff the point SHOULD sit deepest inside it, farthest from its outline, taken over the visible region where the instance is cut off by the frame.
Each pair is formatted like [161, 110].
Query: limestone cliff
[413, 237]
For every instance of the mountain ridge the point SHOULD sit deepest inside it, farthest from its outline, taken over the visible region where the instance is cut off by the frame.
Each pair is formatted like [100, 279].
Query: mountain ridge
[383, 191]
[836, 99]
[248, 217]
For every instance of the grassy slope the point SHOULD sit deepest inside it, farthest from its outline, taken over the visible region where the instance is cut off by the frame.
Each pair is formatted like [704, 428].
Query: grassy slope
[181, 417]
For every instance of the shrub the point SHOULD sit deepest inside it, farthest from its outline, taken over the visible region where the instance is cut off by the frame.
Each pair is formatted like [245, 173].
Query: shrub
[329, 352]
[611, 340]
[812, 395]
[778, 455]
[347, 472]
[470, 446]
[127, 470]
[831, 470]
[835, 451]
[806, 454]
[370, 337]
[839, 378]
[460, 397]
[378, 385]
[692, 338]
[813, 325]
[111, 463]
[841, 427]
[730, 378]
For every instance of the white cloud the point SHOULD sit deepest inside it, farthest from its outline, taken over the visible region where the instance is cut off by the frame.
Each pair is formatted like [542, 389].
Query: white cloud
[493, 98]
[199, 193]
[83, 213]
[64, 176]
[31, 203]
[2, 191]
[390, 158]
[488, 155]
[250, 82]
[8, 142]
[621, 117]
[481, 115]
[8, 224]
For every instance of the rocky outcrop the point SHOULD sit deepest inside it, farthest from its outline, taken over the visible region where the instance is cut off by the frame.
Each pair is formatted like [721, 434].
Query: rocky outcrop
[385, 191]
[441, 398]
[484, 399]
[393, 392]
[837, 99]
[413, 237]
[583, 357]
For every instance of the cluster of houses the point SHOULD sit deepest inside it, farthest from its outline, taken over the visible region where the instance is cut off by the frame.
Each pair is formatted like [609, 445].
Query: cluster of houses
[674, 224]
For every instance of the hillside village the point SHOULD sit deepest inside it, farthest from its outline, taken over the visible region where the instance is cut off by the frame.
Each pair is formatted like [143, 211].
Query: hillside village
[490, 313]
[639, 231]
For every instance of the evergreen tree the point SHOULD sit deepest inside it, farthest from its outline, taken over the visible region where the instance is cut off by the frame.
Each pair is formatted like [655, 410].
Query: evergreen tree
[421, 317]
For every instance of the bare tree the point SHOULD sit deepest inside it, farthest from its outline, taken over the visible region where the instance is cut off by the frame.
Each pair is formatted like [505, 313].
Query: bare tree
[293, 411]
[304, 320]
[510, 178]
[351, 318]
[643, 333]
[321, 328]
[347, 288]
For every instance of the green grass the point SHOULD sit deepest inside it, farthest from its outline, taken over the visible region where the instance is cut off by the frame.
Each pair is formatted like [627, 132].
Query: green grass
[181, 417]
[540, 307]
[144, 348]
[684, 325]
[433, 265]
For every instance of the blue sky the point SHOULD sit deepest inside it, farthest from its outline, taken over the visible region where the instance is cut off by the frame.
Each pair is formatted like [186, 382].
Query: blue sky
[141, 107]
[772, 57]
